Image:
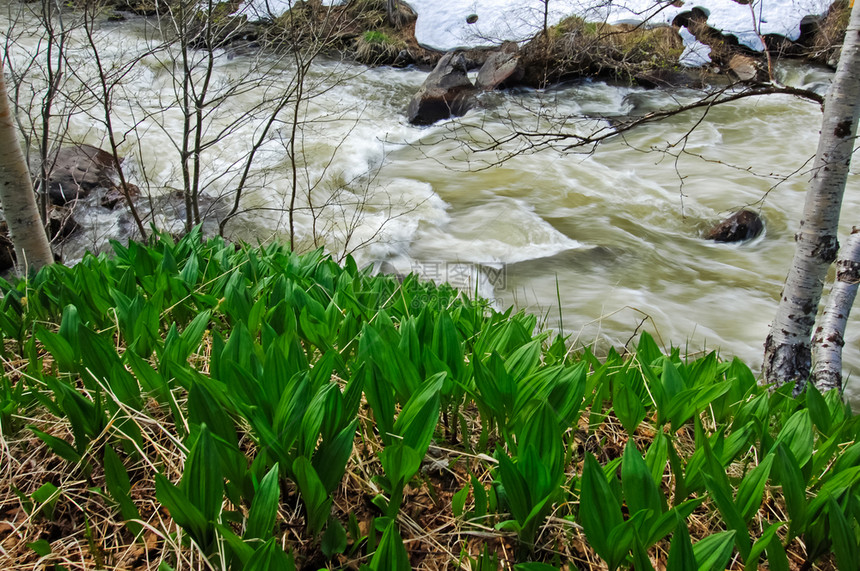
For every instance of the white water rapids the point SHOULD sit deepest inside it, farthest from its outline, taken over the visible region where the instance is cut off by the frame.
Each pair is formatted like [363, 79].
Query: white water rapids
[614, 236]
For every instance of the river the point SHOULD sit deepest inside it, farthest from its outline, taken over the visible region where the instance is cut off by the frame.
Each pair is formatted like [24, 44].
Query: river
[599, 245]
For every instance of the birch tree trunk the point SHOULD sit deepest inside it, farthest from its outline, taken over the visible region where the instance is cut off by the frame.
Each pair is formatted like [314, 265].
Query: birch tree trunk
[16, 193]
[787, 354]
[829, 336]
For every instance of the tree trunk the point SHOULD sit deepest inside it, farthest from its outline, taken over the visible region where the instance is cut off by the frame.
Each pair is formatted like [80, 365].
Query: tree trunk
[16, 193]
[787, 356]
[830, 334]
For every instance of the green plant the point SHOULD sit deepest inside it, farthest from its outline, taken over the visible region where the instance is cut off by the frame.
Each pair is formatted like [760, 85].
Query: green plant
[269, 366]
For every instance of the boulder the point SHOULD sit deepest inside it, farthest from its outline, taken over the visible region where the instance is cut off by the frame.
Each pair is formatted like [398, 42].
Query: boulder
[500, 70]
[447, 92]
[61, 223]
[746, 68]
[115, 197]
[740, 226]
[76, 171]
[7, 250]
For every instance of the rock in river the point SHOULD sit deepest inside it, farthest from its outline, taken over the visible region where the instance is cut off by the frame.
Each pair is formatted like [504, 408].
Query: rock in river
[447, 92]
[740, 226]
[78, 170]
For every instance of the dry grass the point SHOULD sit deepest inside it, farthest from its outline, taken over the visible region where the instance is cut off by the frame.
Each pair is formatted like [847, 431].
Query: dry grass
[576, 48]
[826, 43]
[86, 531]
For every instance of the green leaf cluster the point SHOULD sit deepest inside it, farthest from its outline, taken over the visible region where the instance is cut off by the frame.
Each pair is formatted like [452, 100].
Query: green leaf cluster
[306, 357]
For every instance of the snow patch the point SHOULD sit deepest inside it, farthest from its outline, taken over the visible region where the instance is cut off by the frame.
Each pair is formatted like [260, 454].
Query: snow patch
[443, 26]
[696, 54]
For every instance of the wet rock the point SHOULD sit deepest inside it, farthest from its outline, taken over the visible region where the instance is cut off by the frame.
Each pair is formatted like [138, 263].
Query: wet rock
[7, 250]
[687, 77]
[746, 68]
[740, 226]
[115, 197]
[447, 92]
[61, 223]
[140, 7]
[500, 70]
[76, 171]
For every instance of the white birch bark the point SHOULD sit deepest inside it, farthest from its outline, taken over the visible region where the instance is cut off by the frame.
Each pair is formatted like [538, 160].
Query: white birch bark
[829, 336]
[787, 357]
[16, 193]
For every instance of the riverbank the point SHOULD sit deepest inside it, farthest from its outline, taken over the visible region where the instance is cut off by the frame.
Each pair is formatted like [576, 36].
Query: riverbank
[376, 32]
[194, 405]
[597, 244]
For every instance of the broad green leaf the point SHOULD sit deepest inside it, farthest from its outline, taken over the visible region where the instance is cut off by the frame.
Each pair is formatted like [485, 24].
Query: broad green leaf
[640, 490]
[640, 559]
[788, 474]
[42, 547]
[713, 552]
[524, 360]
[666, 522]
[627, 406]
[47, 495]
[193, 333]
[542, 432]
[264, 507]
[516, 487]
[390, 554]
[380, 397]
[400, 462]
[59, 348]
[738, 442]
[751, 488]
[619, 542]
[647, 351]
[722, 497]
[399, 374]
[59, 446]
[69, 327]
[119, 486]
[332, 456]
[844, 536]
[819, 412]
[270, 557]
[315, 416]
[721, 491]
[243, 551]
[777, 559]
[334, 539]
[316, 499]
[797, 435]
[183, 512]
[671, 380]
[458, 501]
[763, 542]
[419, 417]
[848, 458]
[681, 556]
[657, 456]
[599, 511]
[202, 481]
[490, 396]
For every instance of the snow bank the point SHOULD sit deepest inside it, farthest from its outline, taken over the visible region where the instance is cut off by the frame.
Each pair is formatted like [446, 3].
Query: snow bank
[442, 24]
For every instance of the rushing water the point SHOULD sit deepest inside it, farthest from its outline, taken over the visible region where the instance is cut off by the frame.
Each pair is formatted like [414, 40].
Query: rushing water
[614, 237]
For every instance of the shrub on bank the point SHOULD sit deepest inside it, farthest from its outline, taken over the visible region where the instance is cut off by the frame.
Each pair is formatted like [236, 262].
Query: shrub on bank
[193, 403]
